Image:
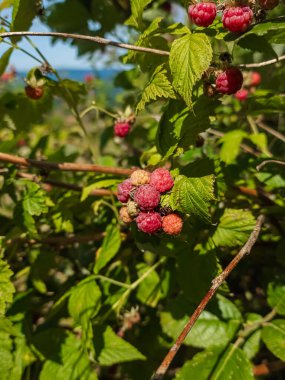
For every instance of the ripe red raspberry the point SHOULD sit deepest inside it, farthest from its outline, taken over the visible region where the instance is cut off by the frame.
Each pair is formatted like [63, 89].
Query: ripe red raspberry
[268, 4]
[124, 189]
[140, 177]
[147, 197]
[122, 128]
[34, 93]
[241, 95]
[255, 79]
[229, 81]
[172, 224]
[149, 222]
[237, 19]
[125, 216]
[161, 179]
[202, 14]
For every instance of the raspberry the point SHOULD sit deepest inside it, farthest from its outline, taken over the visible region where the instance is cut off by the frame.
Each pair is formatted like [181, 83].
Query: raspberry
[237, 19]
[161, 179]
[202, 14]
[122, 129]
[124, 189]
[140, 177]
[34, 92]
[255, 79]
[132, 208]
[268, 4]
[172, 224]
[147, 197]
[241, 95]
[229, 81]
[125, 216]
[149, 222]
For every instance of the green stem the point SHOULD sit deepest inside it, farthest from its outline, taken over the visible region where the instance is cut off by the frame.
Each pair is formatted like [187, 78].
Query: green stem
[96, 108]
[107, 279]
[22, 50]
[119, 303]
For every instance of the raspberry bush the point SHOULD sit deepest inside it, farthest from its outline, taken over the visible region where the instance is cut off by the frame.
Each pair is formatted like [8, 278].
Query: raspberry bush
[128, 194]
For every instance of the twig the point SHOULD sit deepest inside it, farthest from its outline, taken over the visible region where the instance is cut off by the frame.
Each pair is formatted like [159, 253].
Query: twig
[98, 40]
[270, 130]
[264, 63]
[267, 368]
[270, 162]
[244, 147]
[63, 185]
[216, 283]
[64, 166]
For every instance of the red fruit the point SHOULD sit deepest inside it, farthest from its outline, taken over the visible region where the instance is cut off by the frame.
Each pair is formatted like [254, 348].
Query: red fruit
[172, 224]
[237, 19]
[122, 129]
[202, 14]
[147, 197]
[34, 92]
[88, 78]
[268, 4]
[229, 81]
[124, 189]
[161, 179]
[149, 222]
[255, 79]
[241, 95]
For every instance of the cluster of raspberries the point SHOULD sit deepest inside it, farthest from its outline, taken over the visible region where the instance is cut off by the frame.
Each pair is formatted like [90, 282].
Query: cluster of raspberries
[236, 19]
[140, 195]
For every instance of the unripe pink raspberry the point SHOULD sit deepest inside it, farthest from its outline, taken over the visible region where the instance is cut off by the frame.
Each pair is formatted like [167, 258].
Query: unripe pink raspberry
[140, 177]
[229, 81]
[124, 189]
[255, 79]
[202, 14]
[149, 222]
[172, 224]
[237, 19]
[147, 197]
[161, 179]
[122, 128]
[241, 95]
[125, 216]
[268, 4]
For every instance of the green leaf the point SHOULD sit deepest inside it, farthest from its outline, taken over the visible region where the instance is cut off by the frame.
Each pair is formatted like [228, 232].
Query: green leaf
[158, 87]
[217, 364]
[273, 335]
[111, 349]
[66, 360]
[104, 183]
[6, 286]
[276, 296]
[85, 300]
[4, 61]
[110, 247]
[231, 145]
[207, 332]
[234, 228]
[149, 291]
[252, 344]
[257, 43]
[137, 8]
[190, 57]
[24, 11]
[34, 200]
[6, 357]
[194, 196]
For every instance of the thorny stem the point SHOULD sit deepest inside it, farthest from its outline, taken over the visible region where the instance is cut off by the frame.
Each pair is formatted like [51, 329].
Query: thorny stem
[282, 163]
[216, 283]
